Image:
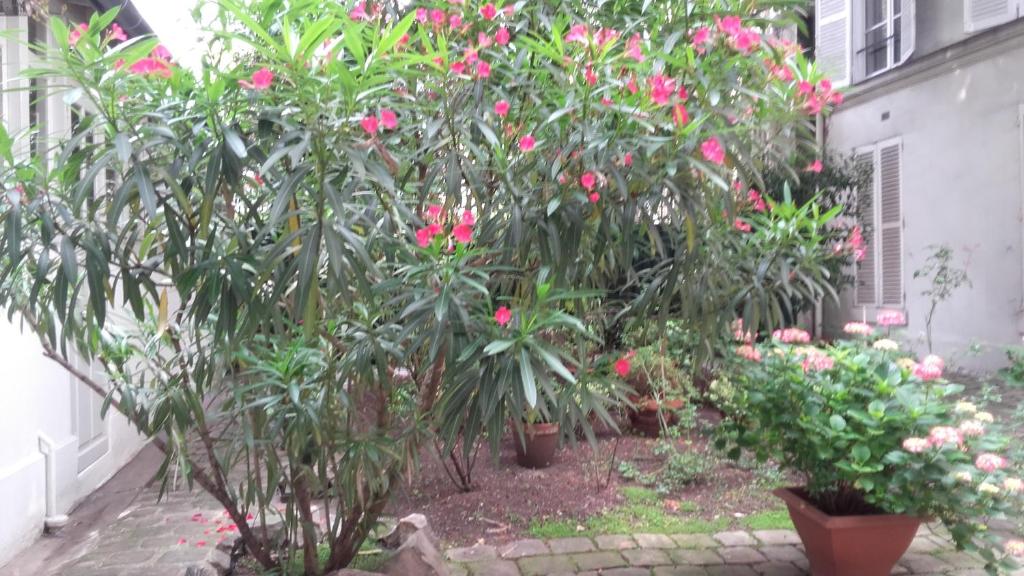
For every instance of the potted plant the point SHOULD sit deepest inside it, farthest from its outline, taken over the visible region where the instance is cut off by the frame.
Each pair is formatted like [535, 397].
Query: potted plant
[536, 441]
[658, 389]
[882, 442]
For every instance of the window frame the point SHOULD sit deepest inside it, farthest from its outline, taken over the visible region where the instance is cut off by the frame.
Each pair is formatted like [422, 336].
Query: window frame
[877, 225]
[892, 22]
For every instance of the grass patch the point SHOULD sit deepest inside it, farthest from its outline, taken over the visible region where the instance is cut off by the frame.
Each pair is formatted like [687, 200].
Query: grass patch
[642, 512]
[770, 520]
[369, 558]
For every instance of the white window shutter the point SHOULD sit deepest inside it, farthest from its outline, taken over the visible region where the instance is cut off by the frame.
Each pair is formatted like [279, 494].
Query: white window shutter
[908, 29]
[981, 14]
[832, 47]
[890, 225]
[865, 273]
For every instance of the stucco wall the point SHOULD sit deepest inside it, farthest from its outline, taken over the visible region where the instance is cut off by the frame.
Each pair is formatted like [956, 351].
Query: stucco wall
[961, 186]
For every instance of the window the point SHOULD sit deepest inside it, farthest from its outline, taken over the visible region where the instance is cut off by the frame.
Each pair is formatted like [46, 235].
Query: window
[879, 276]
[859, 39]
[882, 35]
[982, 14]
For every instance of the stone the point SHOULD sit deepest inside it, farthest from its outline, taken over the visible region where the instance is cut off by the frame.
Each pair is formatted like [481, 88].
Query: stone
[646, 557]
[351, 572]
[654, 541]
[615, 542]
[417, 556]
[680, 571]
[620, 572]
[458, 569]
[473, 553]
[924, 544]
[923, 563]
[545, 565]
[405, 528]
[731, 570]
[598, 560]
[777, 569]
[570, 545]
[740, 555]
[494, 568]
[698, 556]
[523, 548]
[782, 553]
[735, 538]
[774, 537]
[960, 559]
[694, 541]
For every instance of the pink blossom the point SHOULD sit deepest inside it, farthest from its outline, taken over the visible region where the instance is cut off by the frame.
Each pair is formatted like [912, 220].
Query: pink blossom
[890, 318]
[817, 361]
[483, 69]
[731, 25]
[756, 200]
[934, 360]
[631, 85]
[740, 225]
[939, 436]
[682, 94]
[483, 40]
[359, 12]
[825, 85]
[749, 352]
[916, 445]
[150, 67]
[804, 88]
[437, 16]
[370, 124]
[604, 36]
[813, 105]
[588, 180]
[261, 80]
[76, 34]
[467, 218]
[161, 52]
[433, 212]
[463, 233]
[526, 143]
[623, 366]
[739, 334]
[858, 328]
[488, 11]
[117, 33]
[594, 197]
[627, 159]
[469, 56]
[700, 38]
[971, 428]
[502, 316]
[633, 48]
[589, 76]
[502, 36]
[836, 98]
[791, 336]
[814, 167]
[989, 463]
[927, 372]
[679, 115]
[606, 101]
[421, 15]
[662, 88]
[1014, 548]
[578, 33]
[501, 108]
[424, 237]
[713, 151]
[455, 20]
[746, 40]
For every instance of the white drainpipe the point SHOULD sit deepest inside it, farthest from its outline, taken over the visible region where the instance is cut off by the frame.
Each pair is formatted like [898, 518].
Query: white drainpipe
[53, 521]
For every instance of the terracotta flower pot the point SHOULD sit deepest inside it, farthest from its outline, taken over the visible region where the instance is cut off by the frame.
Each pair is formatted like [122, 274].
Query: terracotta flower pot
[644, 418]
[849, 545]
[536, 448]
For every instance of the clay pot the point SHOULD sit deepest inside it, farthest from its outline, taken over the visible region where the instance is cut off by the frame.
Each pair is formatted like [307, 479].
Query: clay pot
[644, 418]
[849, 545]
[536, 448]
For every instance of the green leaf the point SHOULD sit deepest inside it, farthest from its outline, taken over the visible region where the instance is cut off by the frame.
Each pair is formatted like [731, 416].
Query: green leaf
[528, 380]
[837, 422]
[498, 346]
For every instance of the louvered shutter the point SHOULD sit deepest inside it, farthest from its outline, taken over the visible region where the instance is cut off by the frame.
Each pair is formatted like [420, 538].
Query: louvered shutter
[832, 40]
[908, 29]
[890, 226]
[865, 275]
[981, 14]
[14, 95]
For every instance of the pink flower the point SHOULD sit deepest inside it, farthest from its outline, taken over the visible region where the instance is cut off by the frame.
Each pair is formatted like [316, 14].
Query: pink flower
[634, 49]
[740, 225]
[606, 101]
[483, 40]
[161, 52]
[502, 316]
[858, 328]
[502, 36]
[927, 372]
[825, 85]
[804, 88]
[971, 428]
[421, 15]
[731, 25]
[756, 201]
[150, 67]
[501, 108]
[437, 16]
[370, 125]
[388, 119]
[814, 167]
[578, 33]
[934, 360]
[712, 150]
[483, 69]
[526, 143]
[587, 180]
[623, 366]
[746, 40]
[700, 38]
[836, 98]
[457, 68]
[989, 463]
[463, 233]
[627, 159]
[488, 11]
[749, 352]
[791, 336]
[594, 197]
[631, 85]
[455, 20]
[589, 76]
[939, 436]
[182, 541]
[359, 12]
[890, 318]
[201, 544]
[679, 115]
[1014, 548]
[662, 88]
[424, 237]
[604, 36]
[261, 80]
[117, 33]
[817, 361]
[75, 35]
[433, 212]
[467, 218]
[916, 445]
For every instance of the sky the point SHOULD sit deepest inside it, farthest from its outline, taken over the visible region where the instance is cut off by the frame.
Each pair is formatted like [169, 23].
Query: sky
[171, 20]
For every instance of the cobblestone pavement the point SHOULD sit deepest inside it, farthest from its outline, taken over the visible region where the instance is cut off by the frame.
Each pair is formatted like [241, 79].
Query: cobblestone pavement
[737, 553]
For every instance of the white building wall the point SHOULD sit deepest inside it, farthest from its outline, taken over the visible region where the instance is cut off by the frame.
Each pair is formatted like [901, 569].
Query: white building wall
[961, 185]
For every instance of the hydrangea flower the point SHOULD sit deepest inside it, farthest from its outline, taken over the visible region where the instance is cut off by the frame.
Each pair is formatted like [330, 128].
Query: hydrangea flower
[749, 352]
[792, 336]
[858, 328]
[886, 345]
[971, 428]
[990, 462]
[916, 445]
[940, 436]
[890, 318]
